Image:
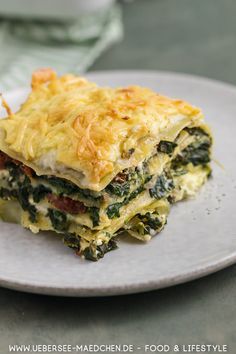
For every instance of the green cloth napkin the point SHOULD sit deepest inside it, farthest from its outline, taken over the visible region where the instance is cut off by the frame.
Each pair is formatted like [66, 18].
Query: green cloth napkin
[66, 47]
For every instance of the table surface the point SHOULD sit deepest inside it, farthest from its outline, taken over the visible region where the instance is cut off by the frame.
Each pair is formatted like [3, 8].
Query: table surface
[196, 37]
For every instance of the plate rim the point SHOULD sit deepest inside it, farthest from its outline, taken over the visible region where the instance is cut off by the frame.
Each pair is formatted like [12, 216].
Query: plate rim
[118, 290]
[177, 74]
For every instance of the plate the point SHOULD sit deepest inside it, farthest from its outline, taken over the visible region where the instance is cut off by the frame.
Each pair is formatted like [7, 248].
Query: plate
[200, 235]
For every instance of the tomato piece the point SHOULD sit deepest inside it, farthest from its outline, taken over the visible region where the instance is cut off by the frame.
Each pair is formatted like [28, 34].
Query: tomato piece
[67, 204]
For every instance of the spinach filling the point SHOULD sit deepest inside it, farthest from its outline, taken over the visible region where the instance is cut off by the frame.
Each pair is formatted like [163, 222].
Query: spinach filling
[94, 215]
[113, 210]
[6, 194]
[119, 189]
[122, 184]
[71, 240]
[166, 147]
[151, 220]
[164, 184]
[92, 252]
[65, 187]
[40, 192]
[148, 222]
[58, 219]
[197, 153]
[20, 189]
[23, 194]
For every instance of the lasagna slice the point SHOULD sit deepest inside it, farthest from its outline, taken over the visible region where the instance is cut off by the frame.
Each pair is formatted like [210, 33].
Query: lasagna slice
[92, 162]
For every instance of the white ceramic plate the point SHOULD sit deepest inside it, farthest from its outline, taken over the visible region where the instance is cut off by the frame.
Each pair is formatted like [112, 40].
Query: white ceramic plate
[200, 237]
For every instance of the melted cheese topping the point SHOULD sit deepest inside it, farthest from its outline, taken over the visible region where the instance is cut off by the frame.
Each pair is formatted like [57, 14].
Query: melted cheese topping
[74, 129]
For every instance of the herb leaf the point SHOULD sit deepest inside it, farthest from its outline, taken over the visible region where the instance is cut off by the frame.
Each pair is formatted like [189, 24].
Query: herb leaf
[162, 186]
[166, 147]
[65, 187]
[40, 192]
[94, 214]
[58, 219]
[197, 153]
[118, 189]
[152, 220]
[113, 210]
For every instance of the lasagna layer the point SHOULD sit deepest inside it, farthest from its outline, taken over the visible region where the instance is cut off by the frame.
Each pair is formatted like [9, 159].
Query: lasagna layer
[136, 201]
[92, 163]
[73, 129]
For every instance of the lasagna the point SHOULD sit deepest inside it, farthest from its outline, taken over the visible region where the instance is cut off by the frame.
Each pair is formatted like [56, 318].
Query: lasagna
[92, 163]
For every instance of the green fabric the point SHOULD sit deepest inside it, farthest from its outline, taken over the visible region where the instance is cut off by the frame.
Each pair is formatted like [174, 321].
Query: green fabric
[66, 47]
